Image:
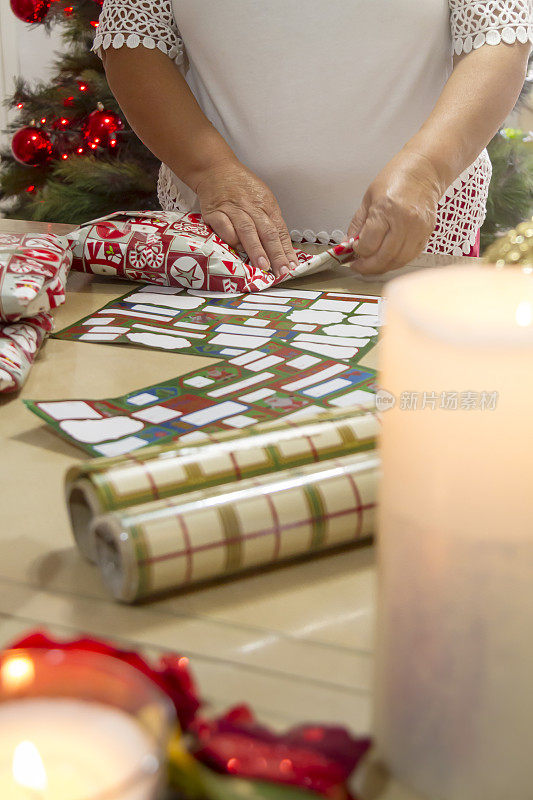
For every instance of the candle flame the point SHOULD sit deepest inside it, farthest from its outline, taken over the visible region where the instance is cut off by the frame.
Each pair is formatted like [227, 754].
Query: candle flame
[524, 314]
[28, 767]
[17, 672]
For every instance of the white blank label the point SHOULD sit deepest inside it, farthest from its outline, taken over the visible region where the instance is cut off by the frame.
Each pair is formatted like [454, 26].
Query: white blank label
[260, 394]
[98, 430]
[303, 362]
[318, 377]
[264, 363]
[237, 387]
[356, 398]
[327, 388]
[242, 329]
[231, 340]
[214, 413]
[69, 409]
[121, 447]
[166, 301]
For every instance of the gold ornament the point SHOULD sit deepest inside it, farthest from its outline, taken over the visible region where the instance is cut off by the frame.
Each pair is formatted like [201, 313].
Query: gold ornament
[515, 249]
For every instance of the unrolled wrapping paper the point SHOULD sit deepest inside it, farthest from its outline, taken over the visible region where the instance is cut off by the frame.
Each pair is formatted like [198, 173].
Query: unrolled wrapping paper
[108, 484]
[19, 344]
[170, 248]
[214, 533]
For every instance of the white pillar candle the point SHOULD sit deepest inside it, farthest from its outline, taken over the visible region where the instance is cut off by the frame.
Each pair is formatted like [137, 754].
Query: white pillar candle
[68, 749]
[454, 690]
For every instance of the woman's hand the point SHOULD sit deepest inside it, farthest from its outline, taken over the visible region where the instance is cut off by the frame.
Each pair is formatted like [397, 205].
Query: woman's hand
[398, 214]
[242, 210]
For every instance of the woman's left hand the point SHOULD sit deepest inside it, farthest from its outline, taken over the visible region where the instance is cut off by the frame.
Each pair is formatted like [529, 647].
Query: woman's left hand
[398, 214]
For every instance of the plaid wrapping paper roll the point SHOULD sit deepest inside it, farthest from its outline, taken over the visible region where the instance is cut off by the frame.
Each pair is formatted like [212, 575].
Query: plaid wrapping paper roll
[107, 484]
[170, 544]
[170, 248]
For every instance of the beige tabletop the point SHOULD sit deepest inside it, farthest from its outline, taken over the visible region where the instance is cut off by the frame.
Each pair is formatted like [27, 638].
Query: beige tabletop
[295, 643]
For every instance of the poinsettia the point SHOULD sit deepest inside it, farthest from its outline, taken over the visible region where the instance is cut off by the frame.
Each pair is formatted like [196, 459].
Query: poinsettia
[171, 673]
[319, 758]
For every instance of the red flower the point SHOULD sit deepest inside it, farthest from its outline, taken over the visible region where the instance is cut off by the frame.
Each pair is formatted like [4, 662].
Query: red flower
[171, 674]
[318, 758]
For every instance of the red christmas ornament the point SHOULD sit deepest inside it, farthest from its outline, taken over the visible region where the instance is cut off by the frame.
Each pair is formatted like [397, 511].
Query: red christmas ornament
[100, 128]
[31, 146]
[30, 10]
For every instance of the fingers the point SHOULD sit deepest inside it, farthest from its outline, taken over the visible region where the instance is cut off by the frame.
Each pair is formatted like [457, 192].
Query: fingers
[248, 236]
[270, 238]
[265, 240]
[372, 235]
[223, 227]
[286, 241]
[401, 244]
[358, 221]
[383, 259]
[260, 238]
[411, 249]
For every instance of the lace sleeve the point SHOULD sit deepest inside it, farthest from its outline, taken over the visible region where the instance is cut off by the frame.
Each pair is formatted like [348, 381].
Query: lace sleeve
[149, 23]
[478, 22]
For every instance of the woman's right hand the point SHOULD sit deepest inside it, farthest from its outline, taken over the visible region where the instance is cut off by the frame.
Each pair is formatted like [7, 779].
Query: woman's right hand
[242, 210]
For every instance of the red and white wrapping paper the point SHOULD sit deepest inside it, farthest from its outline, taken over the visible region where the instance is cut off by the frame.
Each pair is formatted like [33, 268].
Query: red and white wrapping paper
[33, 273]
[19, 344]
[174, 249]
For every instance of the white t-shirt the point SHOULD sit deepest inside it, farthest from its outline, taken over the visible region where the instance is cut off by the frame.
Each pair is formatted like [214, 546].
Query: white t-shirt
[316, 96]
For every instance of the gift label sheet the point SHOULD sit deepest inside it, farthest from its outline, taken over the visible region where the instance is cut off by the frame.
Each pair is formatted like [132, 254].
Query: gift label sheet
[253, 386]
[328, 324]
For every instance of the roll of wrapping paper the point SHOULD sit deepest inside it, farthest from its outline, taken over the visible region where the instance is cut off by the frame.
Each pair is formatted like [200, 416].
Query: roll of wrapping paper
[214, 533]
[107, 484]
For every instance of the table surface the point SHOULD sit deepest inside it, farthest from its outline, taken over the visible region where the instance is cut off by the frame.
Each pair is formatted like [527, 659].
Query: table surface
[295, 642]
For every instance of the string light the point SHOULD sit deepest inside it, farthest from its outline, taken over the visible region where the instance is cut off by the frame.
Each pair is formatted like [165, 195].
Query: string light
[20, 105]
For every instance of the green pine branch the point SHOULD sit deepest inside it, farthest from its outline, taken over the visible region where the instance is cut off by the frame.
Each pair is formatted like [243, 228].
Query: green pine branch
[85, 187]
[510, 199]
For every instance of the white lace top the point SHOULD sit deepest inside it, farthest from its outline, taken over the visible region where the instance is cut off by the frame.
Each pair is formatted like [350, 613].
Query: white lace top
[316, 97]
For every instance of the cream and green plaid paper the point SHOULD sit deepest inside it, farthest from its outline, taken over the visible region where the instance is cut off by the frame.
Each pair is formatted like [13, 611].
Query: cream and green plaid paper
[107, 484]
[213, 533]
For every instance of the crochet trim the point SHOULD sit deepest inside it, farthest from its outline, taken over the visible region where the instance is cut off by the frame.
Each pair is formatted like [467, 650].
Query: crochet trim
[118, 40]
[476, 23]
[136, 23]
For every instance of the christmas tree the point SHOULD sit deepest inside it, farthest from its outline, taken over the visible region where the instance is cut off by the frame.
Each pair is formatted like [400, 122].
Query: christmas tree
[74, 156]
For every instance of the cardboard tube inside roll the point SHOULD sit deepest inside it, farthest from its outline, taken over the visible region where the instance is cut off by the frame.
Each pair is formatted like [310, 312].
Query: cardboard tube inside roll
[83, 506]
[115, 557]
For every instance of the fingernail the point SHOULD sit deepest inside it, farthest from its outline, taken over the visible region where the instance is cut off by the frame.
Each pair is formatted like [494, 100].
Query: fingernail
[283, 271]
[262, 263]
[293, 265]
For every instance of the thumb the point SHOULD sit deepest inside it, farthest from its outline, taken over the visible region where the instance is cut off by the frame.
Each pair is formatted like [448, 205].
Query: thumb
[357, 223]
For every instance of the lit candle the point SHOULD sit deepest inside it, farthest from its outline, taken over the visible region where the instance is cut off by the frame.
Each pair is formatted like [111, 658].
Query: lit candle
[78, 726]
[454, 696]
[66, 749]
